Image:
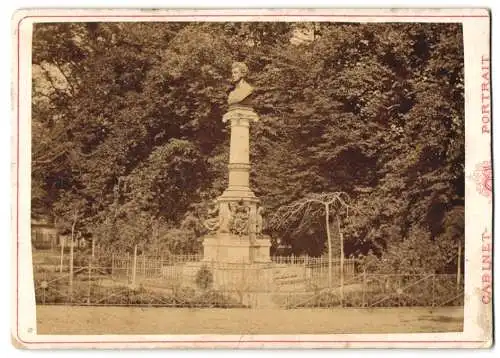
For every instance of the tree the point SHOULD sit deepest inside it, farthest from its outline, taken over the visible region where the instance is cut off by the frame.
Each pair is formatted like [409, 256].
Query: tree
[372, 110]
[301, 212]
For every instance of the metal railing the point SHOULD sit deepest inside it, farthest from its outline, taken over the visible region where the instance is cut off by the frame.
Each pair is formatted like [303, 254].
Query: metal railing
[187, 281]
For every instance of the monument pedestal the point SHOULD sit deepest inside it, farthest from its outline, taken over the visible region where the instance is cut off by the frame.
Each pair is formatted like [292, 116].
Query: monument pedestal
[235, 250]
[231, 248]
[241, 267]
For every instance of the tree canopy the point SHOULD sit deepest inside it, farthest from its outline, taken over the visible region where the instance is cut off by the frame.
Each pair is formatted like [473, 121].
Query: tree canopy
[127, 127]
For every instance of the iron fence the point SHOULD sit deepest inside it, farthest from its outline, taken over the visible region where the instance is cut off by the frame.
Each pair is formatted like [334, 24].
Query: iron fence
[386, 290]
[188, 281]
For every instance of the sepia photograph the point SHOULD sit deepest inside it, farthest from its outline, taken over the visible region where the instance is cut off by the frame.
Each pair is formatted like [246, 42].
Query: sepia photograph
[298, 177]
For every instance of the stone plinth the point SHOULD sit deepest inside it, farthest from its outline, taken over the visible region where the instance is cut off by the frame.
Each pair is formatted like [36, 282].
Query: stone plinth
[231, 248]
[249, 284]
[261, 249]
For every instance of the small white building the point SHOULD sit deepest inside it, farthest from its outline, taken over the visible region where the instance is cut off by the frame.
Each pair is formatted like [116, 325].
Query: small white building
[43, 234]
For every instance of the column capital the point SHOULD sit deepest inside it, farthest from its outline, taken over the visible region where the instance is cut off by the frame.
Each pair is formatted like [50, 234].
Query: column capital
[240, 114]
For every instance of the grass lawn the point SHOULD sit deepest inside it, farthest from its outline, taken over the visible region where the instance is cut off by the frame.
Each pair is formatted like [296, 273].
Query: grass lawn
[161, 320]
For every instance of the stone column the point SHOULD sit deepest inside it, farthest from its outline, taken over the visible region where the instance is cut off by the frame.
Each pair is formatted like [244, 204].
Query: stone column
[239, 156]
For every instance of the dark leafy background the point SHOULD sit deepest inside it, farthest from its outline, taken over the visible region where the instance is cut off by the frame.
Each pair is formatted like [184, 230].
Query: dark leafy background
[127, 131]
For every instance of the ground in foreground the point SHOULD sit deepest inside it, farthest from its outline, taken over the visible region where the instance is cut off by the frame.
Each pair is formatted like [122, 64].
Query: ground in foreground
[161, 320]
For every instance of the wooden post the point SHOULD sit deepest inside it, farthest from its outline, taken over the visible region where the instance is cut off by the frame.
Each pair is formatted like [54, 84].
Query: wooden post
[112, 264]
[44, 288]
[341, 261]
[305, 267]
[134, 266]
[63, 240]
[71, 255]
[127, 267]
[328, 234]
[90, 277]
[364, 288]
[433, 289]
[459, 264]
[93, 247]
[143, 265]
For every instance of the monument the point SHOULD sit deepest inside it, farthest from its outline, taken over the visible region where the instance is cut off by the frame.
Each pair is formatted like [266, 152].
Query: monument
[236, 219]
[235, 250]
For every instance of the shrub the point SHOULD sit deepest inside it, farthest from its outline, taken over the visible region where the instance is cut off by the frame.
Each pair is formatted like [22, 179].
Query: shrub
[204, 278]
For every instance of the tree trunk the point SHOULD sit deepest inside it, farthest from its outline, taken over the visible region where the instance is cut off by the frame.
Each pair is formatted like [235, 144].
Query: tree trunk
[328, 234]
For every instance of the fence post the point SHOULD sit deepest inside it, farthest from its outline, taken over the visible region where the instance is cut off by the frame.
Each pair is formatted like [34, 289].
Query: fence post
[143, 265]
[305, 267]
[364, 288]
[62, 253]
[113, 265]
[71, 262]
[341, 266]
[134, 266]
[90, 280]
[433, 290]
[44, 286]
[399, 290]
[127, 267]
[459, 264]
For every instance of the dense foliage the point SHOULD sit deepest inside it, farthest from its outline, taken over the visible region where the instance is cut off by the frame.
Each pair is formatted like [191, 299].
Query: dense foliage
[127, 130]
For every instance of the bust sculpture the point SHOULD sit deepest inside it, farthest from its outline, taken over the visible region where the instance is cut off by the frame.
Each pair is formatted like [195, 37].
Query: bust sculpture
[242, 89]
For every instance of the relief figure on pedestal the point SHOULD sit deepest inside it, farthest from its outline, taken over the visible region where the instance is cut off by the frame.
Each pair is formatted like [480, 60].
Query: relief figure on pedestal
[219, 216]
[224, 216]
[213, 221]
[259, 221]
[240, 215]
